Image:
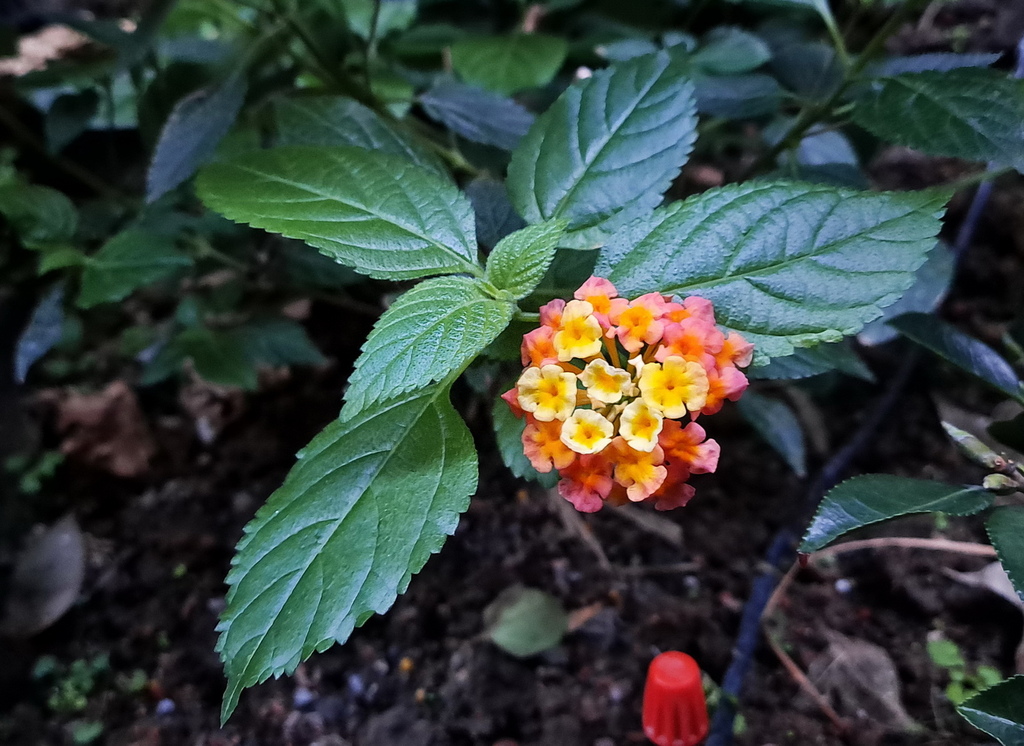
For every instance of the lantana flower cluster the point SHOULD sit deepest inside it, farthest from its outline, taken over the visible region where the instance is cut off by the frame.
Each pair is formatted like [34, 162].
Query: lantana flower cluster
[612, 391]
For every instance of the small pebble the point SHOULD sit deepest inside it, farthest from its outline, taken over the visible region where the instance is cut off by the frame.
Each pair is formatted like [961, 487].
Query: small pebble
[302, 698]
[355, 685]
[165, 707]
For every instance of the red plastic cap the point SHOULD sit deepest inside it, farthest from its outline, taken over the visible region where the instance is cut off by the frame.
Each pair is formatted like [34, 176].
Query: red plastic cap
[675, 711]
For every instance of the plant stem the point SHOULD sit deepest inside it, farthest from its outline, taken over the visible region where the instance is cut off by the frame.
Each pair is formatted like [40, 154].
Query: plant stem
[327, 68]
[812, 114]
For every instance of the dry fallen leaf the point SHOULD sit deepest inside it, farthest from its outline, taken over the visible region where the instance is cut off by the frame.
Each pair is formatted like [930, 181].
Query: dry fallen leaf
[47, 577]
[861, 681]
[106, 430]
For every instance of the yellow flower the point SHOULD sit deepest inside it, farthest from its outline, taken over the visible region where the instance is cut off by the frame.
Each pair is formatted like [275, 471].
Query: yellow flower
[605, 383]
[548, 392]
[674, 386]
[580, 333]
[586, 431]
[640, 426]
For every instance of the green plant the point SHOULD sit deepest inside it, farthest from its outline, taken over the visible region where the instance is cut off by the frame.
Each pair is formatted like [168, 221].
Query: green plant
[70, 685]
[963, 682]
[393, 147]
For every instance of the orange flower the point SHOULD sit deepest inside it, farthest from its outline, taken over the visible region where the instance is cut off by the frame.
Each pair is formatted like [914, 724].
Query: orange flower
[688, 446]
[640, 473]
[542, 445]
[587, 482]
[617, 433]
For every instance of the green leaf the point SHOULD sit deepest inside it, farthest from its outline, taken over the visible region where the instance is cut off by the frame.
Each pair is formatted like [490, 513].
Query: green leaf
[999, 711]
[1006, 532]
[737, 96]
[775, 422]
[476, 114]
[525, 621]
[509, 64]
[787, 265]
[971, 113]
[339, 120]
[40, 216]
[607, 148]
[368, 502]
[277, 341]
[130, 260]
[434, 329]
[967, 353]
[931, 283]
[945, 654]
[813, 361]
[520, 260]
[392, 15]
[191, 134]
[873, 498]
[218, 357]
[379, 213]
[727, 50]
[508, 433]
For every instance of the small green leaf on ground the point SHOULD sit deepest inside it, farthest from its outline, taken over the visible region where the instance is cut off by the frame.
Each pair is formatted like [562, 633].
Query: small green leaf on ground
[1006, 531]
[873, 498]
[775, 422]
[378, 213]
[130, 260]
[525, 621]
[787, 265]
[509, 64]
[969, 112]
[607, 148]
[967, 353]
[432, 330]
[368, 502]
[520, 260]
[999, 711]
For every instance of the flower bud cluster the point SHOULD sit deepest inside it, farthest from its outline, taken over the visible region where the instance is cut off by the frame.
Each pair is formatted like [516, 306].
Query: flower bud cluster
[613, 389]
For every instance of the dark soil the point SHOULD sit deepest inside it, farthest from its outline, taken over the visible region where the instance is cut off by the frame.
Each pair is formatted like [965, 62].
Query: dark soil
[159, 547]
